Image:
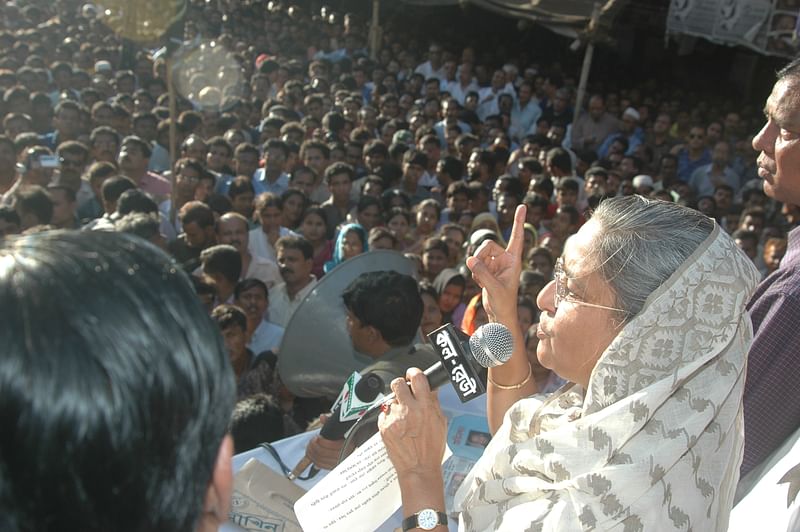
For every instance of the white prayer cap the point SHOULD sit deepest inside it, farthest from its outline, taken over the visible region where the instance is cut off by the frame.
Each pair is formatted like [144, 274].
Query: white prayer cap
[633, 113]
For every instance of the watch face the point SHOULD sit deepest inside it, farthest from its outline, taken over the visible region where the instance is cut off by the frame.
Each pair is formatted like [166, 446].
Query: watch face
[427, 519]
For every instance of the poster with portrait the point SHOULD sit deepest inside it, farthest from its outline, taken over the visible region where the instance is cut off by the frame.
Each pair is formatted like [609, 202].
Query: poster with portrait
[767, 26]
[467, 437]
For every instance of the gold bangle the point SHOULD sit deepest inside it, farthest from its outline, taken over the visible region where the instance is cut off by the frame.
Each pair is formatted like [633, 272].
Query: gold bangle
[514, 386]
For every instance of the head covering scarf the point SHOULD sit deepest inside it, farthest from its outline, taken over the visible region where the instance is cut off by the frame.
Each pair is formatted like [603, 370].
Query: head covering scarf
[446, 277]
[338, 249]
[656, 440]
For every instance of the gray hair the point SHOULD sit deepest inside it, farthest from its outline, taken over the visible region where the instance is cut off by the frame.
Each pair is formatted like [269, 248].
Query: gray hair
[792, 70]
[641, 243]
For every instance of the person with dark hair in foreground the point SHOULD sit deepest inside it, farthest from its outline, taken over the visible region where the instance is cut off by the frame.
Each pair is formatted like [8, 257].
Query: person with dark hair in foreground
[115, 390]
[384, 312]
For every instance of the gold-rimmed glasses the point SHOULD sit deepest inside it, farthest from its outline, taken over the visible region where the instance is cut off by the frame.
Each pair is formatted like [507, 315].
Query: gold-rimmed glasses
[562, 292]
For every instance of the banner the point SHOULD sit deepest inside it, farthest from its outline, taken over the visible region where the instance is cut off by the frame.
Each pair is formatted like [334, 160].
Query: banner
[566, 17]
[766, 26]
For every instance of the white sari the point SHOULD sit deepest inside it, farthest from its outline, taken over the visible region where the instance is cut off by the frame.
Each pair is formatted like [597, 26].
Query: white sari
[656, 441]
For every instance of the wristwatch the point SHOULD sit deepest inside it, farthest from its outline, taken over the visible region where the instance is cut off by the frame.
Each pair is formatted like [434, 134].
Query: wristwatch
[426, 519]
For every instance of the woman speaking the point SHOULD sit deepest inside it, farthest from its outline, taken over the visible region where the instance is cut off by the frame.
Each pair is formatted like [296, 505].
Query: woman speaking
[646, 319]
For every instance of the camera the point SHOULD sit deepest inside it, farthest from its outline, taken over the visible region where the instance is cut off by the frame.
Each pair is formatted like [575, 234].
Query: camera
[48, 161]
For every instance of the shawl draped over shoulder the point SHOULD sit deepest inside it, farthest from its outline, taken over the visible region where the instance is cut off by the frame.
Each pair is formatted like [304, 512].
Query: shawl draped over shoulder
[656, 440]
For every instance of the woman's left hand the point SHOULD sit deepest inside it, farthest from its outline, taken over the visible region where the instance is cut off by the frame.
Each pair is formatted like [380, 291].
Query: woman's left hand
[414, 429]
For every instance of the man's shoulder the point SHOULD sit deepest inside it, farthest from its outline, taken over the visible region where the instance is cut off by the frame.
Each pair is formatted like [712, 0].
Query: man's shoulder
[278, 289]
[701, 171]
[285, 231]
[610, 119]
[395, 363]
[778, 293]
[268, 326]
[312, 282]
[263, 261]
[267, 329]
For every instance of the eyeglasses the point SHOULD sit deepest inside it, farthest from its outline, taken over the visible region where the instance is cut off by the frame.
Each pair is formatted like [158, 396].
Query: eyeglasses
[695, 136]
[562, 291]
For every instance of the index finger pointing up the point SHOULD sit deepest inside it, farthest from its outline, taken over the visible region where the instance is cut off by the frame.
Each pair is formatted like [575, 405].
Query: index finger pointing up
[517, 240]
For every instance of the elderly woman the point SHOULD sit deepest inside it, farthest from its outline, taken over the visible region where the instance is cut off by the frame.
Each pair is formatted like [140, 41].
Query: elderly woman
[646, 320]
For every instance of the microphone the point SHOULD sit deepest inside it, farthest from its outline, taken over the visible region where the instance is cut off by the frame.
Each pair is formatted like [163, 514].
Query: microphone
[463, 356]
[366, 390]
[347, 411]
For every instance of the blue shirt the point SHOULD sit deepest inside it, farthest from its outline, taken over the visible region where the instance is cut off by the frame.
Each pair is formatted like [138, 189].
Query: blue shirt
[686, 167]
[261, 185]
[634, 140]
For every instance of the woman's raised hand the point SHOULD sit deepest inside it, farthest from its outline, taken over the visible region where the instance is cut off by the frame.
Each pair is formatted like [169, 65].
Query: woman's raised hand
[496, 270]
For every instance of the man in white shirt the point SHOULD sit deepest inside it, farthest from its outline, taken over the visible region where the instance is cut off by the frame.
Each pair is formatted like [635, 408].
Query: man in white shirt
[295, 260]
[524, 113]
[253, 297]
[270, 213]
[488, 104]
[232, 230]
[272, 178]
[434, 67]
[450, 110]
[463, 85]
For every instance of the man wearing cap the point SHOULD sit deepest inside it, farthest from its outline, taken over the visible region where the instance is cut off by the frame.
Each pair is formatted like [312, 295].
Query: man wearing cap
[629, 129]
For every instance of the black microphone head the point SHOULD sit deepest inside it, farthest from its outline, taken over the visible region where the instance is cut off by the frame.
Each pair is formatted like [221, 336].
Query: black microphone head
[368, 388]
[492, 345]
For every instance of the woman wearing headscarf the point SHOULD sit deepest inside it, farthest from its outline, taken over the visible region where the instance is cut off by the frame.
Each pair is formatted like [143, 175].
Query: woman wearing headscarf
[352, 241]
[646, 319]
[449, 285]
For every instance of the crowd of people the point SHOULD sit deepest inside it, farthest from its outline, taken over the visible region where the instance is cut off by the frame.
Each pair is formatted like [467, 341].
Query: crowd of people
[303, 151]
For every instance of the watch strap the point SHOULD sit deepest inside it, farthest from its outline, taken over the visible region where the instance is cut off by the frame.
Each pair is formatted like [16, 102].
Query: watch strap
[410, 522]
